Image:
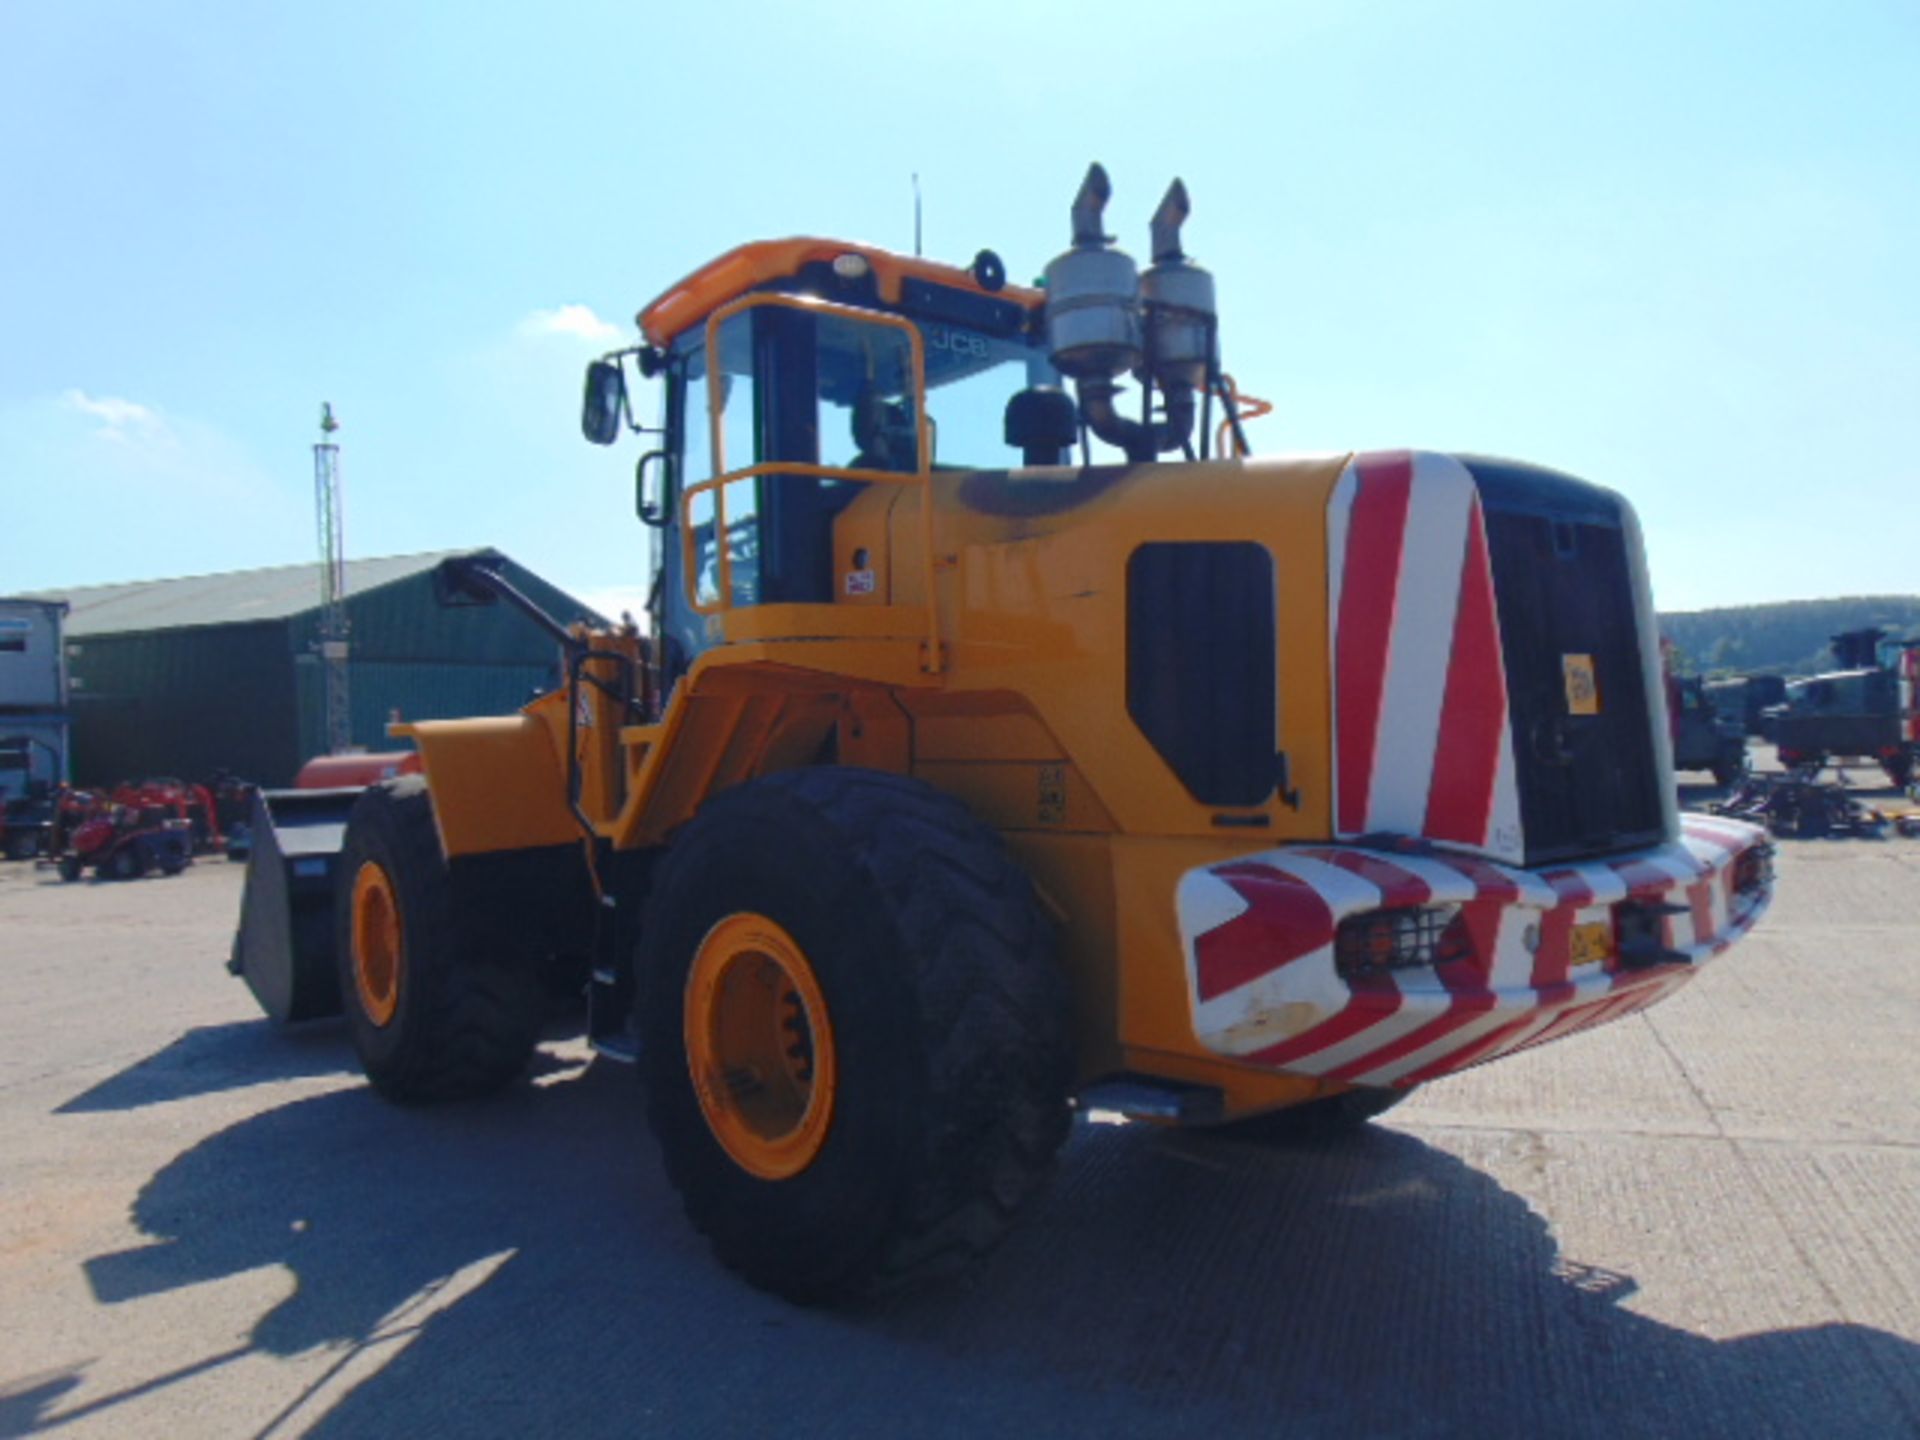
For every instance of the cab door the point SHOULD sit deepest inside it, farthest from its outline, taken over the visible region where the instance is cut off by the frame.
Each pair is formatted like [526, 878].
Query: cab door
[797, 391]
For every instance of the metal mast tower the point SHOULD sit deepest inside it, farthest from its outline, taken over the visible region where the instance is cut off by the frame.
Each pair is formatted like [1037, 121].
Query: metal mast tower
[333, 583]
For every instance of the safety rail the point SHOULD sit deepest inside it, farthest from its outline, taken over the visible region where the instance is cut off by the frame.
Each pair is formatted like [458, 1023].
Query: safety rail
[717, 484]
[1256, 407]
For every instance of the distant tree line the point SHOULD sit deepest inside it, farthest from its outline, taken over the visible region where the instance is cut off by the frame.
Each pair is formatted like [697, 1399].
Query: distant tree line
[1788, 637]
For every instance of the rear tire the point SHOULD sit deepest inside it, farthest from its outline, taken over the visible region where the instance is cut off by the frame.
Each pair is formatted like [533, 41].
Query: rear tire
[922, 992]
[1317, 1122]
[436, 1013]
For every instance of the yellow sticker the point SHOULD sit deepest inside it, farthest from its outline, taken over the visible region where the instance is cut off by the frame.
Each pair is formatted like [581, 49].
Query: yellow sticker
[1583, 691]
[1590, 944]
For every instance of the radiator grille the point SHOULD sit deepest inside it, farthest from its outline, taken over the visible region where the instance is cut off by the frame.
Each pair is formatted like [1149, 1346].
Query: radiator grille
[1201, 651]
[1588, 783]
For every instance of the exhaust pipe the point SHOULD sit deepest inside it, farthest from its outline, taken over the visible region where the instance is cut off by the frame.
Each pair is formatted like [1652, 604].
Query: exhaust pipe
[1105, 320]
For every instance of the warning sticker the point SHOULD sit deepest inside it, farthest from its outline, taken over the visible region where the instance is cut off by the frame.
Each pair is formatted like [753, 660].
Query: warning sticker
[1583, 691]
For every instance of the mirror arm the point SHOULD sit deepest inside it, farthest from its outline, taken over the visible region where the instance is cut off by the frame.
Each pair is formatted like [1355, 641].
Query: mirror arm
[650, 362]
[626, 406]
[477, 571]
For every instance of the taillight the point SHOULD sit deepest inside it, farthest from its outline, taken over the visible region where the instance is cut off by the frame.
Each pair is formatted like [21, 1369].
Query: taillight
[1380, 941]
[1753, 871]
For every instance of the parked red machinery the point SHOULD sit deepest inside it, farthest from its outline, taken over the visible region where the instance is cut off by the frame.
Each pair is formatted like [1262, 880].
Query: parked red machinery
[125, 842]
[232, 803]
[164, 797]
[71, 809]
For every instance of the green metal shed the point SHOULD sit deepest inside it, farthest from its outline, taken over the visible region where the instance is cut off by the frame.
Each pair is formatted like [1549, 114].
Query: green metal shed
[183, 677]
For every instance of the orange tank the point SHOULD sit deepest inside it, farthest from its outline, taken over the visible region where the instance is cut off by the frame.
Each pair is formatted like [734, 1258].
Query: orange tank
[340, 772]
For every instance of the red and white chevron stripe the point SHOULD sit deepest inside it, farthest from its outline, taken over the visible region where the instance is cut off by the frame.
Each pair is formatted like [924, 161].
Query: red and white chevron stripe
[1259, 940]
[1421, 739]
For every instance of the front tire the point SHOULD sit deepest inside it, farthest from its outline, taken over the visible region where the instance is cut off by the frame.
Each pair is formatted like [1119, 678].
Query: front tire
[855, 1038]
[436, 1012]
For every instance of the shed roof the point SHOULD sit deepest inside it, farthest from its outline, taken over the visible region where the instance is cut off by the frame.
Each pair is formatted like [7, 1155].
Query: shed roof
[234, 598]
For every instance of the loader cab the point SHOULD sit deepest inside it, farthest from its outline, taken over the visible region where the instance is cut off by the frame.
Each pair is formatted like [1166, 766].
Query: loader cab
[788, 400]
[756, 405]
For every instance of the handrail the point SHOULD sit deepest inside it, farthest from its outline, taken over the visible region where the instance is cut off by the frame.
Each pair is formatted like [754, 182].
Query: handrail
[722, 477]
[1234, 400]
[718, 484]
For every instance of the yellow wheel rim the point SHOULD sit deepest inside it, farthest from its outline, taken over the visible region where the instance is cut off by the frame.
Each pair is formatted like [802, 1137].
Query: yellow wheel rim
[378, 955]
[760, 1046]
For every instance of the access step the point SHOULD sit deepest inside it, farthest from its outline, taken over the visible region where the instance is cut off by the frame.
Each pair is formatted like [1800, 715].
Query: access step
[1139, 1097]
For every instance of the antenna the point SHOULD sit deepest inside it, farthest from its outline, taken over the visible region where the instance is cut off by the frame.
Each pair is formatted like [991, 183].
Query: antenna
[916, 214]
[327, 505]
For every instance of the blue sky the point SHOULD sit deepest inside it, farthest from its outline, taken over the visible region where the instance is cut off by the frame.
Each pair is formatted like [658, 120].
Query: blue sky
[1674, 249]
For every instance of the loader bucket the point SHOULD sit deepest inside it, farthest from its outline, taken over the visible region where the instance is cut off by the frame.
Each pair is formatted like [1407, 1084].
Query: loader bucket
[284, 947]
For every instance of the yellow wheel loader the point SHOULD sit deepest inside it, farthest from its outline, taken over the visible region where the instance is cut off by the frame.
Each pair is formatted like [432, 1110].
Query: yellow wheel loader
[1005, 739]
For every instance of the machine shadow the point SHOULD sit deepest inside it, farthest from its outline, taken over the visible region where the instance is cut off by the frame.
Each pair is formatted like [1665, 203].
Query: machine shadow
[211, 1058]
[1168, 1284]
[24, 1401]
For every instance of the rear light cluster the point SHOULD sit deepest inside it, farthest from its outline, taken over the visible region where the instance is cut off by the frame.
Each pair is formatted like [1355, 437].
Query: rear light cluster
[1753, 872]
[1381, 941]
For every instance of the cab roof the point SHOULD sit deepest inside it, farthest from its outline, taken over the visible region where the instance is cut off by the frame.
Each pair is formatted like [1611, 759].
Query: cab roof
[747, 267]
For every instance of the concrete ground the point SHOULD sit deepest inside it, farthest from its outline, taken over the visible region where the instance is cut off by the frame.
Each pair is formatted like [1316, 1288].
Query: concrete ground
[1704, 1221]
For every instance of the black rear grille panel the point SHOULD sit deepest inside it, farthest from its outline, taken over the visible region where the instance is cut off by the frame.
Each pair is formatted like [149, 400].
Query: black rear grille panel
[1201, 654]
[1588, 783]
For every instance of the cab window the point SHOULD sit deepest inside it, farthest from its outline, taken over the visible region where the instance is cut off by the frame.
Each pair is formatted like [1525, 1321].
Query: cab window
[695, 447]
[796, 387]
[812, 387]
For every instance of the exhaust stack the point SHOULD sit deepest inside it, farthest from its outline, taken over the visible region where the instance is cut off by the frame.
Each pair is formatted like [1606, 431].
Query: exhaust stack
[1093, 294]
[1181, 323]
[1104, 320]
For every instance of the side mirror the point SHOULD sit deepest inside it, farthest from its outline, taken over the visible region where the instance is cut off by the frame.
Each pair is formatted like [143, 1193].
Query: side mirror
[650, 506]
[605, 402]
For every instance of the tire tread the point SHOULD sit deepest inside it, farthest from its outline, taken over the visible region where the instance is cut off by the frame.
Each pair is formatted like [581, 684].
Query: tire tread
[990, 1008]
[472, 1019]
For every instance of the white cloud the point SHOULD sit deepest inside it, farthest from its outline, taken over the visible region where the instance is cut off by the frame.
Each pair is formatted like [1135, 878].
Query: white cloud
[577, 321]
[183, 496]
[121, 420]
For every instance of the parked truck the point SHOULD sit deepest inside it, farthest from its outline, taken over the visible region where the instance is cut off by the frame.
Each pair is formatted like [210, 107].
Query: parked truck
[1749, 697]
[1867, 708]
[1705, 737]
[1005, 739]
